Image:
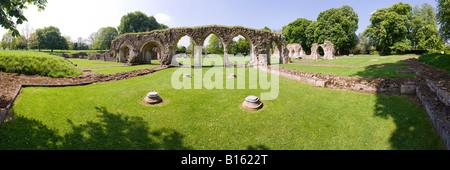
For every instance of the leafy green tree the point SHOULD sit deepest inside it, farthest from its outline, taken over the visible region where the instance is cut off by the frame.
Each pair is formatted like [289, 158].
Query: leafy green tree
[425, 34]
[338, 25]
[242, 46]
[104, 37]
[7, 40]
[266, 29]
[13, 9]
[443, 18]
[389, 27]
[50, 38]
[22, 43]
[163, 26]
[33, 41]
[363, 45]
[190, 48]
[233, 47]
[181, 49]
[215, 45]
[296, 32]
[138, 22]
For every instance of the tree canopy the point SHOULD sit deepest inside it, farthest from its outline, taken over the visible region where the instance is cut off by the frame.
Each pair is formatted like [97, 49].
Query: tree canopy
[104, 37]
[425, 34]
[401, 27]
[296, 32]
[10, 9]
[389, 27]
[215, 45]
[50, 38]
[337, 25]
[443, 18]
[138, 22]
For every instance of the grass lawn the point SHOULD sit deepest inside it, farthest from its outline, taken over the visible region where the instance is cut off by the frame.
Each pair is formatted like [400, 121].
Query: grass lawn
[92, 63]
[70, 52]
[110, 70]
[362, 60]
[370, 72]
[111, 116]
[437, 60]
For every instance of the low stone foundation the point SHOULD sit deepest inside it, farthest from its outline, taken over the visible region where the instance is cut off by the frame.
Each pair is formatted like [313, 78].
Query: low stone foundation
[357, 84]
[438, 113]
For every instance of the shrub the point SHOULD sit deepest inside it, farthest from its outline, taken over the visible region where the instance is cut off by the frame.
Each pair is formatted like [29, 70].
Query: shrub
[34, 63]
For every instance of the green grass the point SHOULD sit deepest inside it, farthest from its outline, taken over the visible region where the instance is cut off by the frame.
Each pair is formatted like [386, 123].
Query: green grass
[70, 52]
[92, 63]
[35, 63]
[366, 60]
[111, 116]
[362, 60]
[369, 72]
[110, 70]
[437, 60]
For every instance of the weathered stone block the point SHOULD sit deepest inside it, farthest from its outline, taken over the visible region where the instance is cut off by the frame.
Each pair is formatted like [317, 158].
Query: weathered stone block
[407, 88]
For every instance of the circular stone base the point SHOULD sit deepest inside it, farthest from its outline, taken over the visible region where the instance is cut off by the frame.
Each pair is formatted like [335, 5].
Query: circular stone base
[187, 76]
[232, 76]
[151, 101]
[252, 106]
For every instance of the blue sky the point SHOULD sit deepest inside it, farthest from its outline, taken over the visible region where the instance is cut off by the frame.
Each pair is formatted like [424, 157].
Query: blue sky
[80, 18]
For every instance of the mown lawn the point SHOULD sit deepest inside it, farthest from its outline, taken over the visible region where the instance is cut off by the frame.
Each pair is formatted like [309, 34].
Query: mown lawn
[92, 63]
[369, 72]
[367, 60]
[110, 70]
[441, 61]
[111, 116]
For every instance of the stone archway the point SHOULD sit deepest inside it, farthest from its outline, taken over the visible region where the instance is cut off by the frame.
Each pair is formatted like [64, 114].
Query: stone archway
[259, 41]
[125, 52]
[327, 46]
[150, 51]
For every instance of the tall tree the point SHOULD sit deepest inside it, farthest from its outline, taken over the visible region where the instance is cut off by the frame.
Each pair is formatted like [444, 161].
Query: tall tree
[215, 45]
[242, 46]
[138, 22]
[425, 34]
[338, 25]
[104, 37]
[13, 9]
[296, 32]
[50, 38]
[363, 43]
[7, 40]
[443, 18]
[389, 28]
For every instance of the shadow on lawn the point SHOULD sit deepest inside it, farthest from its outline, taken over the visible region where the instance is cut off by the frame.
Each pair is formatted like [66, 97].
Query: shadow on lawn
[413, 128]
[113, 132]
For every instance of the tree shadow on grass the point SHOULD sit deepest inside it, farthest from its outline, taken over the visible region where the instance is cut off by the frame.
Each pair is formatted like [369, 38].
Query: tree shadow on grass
[413, 128]
[114, 131]
[382, 70]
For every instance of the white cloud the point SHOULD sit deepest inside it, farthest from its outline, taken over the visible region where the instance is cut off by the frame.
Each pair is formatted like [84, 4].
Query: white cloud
[162, 18]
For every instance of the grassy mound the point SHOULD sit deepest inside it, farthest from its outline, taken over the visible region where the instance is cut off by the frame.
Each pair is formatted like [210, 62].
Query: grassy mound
[437, 60]
[35, 63]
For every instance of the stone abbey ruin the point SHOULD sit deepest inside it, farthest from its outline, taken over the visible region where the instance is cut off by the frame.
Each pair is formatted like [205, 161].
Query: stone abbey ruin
[140, 48]
[297, 51]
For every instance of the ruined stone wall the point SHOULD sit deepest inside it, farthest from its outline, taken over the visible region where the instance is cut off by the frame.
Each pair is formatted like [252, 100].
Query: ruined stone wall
[296, 51]
[259, 41]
